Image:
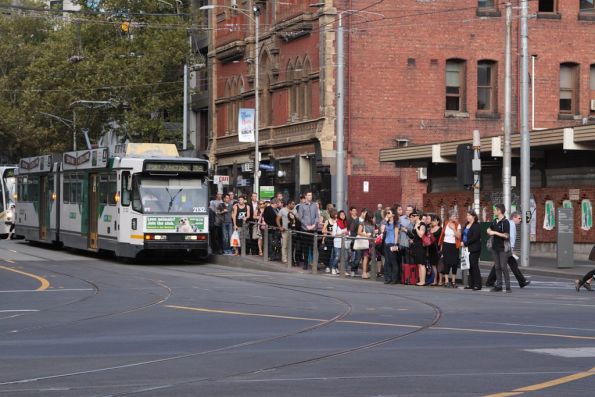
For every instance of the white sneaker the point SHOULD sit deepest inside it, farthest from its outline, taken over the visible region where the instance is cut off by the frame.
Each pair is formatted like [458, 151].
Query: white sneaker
[334, 272]
[352, 274]
[347, 274]
[328, 270]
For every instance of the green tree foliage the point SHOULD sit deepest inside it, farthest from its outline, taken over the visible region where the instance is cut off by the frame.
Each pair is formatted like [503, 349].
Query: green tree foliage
[52, 61]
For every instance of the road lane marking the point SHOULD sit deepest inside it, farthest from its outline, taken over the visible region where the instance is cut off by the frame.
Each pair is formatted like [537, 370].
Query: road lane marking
[45, 284]
[572, 352]
[9, 291]
[546, 385]
[540, 326]
[18, 311]
[383, 324]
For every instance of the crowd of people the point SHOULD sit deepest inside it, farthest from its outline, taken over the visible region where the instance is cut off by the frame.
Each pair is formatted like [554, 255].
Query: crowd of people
[410, 246]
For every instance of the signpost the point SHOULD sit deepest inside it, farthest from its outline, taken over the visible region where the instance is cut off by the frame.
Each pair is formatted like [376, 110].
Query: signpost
[565, 246]
[266, 192]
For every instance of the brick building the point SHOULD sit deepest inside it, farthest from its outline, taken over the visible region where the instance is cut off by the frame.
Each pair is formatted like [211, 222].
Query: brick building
[421, 76]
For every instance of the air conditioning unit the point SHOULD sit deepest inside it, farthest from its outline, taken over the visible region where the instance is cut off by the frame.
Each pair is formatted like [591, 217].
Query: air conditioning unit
[593, 104]
[247, 167]
[422, 174]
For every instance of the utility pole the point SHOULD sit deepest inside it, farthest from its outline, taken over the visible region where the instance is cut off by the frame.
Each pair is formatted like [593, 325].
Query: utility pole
[340, 159]
[185, 114]
[506, 166]
[476, 167]
[525, 138]
[256, 10]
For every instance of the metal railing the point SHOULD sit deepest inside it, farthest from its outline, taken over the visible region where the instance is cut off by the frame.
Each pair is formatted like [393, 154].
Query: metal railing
[308, 248]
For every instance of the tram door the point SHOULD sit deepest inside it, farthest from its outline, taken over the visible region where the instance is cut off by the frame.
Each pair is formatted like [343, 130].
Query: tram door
[43, 207]
[93, 201]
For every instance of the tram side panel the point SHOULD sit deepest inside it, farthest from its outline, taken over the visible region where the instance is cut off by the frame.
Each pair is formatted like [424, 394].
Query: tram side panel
[73, 231]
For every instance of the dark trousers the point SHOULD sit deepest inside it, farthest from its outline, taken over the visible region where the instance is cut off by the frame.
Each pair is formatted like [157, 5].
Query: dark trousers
[216, 239]
[514, 266]
[474, 272]
[274, 244]
[305, 249]
[588, 276]
[391, 265]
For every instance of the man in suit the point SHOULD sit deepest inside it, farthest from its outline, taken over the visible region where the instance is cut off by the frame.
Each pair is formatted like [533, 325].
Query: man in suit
[515, 220]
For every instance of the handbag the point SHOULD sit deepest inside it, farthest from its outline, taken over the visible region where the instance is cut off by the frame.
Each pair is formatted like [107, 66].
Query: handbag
[361, 243]
[428, 239]
[490, 242]
[235, 239]
[256, 232]
[465, 264]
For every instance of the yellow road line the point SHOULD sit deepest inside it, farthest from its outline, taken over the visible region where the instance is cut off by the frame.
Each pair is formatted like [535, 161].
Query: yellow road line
[44, 283]
[546, 385]
[381, 324]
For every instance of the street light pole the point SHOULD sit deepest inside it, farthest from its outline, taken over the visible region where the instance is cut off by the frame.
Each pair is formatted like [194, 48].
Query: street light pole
[340, 155]
[525, 137]
[256, 100]
[506, 159]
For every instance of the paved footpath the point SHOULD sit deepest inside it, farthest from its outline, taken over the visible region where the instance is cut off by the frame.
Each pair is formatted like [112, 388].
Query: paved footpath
[75, 324]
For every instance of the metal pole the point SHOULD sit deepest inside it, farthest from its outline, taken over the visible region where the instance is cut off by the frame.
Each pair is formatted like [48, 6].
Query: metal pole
[185, 114]
[256, 100]
[74, 129]
[476, 171]
[525, 138]
[533, 92]
[340, 175]
[506, 160]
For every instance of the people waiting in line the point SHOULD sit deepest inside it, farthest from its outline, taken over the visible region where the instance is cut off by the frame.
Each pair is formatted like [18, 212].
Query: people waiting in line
[397, 236]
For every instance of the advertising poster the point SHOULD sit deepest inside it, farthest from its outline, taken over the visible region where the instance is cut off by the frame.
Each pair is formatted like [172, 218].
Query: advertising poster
[246, 125]
[586, 215]
[549, 219]
[177, 224]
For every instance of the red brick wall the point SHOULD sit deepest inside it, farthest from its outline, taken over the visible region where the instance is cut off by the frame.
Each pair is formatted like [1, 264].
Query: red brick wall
[433, 202]
[385, 190]
[388, 97]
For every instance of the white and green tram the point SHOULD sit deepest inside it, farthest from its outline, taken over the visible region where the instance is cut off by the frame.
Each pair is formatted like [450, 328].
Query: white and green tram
[7, 186]
[143, 197]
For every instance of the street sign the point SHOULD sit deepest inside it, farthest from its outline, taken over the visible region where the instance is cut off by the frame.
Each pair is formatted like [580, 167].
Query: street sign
[221, 180]
[266, 192]
[267, 167]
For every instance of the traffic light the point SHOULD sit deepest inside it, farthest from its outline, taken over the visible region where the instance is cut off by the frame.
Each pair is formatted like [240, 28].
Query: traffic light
[125, 26]
[465, 166]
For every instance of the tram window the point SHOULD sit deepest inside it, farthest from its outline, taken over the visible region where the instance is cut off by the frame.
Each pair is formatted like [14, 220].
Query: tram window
[112, 188]
[124, 188]
[75, 189]
[66, 189]
[103, 189]
[33, 189]
[136, 201]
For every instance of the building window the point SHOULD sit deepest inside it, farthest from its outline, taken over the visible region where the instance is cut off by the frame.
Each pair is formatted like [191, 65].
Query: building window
[455, 85]
[228, 107]
[587, 5]
[487, 83]
[592, 86]
[547, 6]
[569, 88]
[305, 90]
[485, 4]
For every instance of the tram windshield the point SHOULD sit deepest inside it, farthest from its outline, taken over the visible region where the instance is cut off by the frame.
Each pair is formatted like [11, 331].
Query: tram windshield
[169, 195]
[8, 186]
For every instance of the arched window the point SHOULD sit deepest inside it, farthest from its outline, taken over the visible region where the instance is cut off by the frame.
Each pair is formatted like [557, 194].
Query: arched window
[295, 91]
[306, 89]
[265, 99]
[291, 104]
[228, 107]
[236, 104]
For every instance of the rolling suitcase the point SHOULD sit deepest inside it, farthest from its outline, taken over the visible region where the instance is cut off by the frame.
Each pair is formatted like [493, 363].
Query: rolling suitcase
[409, 275]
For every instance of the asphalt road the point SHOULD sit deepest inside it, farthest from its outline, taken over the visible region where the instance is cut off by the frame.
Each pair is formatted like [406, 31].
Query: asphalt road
[73, 324]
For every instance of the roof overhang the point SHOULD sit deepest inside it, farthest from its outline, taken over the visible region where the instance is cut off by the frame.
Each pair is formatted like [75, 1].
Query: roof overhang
[572, 138]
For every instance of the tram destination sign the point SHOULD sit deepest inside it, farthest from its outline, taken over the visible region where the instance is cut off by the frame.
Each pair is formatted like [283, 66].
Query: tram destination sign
[162, 166]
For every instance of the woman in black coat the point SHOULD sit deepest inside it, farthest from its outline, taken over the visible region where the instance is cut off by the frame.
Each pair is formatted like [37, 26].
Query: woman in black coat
[472, 240]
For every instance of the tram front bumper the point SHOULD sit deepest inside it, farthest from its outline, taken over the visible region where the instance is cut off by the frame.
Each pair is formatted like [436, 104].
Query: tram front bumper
[176, 241]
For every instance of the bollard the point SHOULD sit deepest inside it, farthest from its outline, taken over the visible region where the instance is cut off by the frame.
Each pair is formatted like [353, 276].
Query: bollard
[243, 232]
[265, 243]
[342, 255]
[289, 249]
[373, 263]
[315, 254]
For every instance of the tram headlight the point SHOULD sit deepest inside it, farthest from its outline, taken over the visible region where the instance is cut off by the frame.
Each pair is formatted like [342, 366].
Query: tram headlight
[193, 237]
[155, 237]
[54, 196]
[117, 197]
